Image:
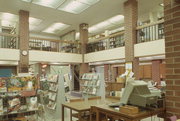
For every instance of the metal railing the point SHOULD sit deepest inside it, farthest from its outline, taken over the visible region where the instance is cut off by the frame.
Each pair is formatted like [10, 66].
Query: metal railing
[109, 42]
[9, 41]
[150, 32]
[53, 45]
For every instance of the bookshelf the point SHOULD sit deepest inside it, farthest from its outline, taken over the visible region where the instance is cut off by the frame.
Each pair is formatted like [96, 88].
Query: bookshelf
[18, 97]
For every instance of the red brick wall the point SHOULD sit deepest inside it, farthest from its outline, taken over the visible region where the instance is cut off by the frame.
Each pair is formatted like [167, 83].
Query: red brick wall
[156, 70]
[172, 44]
[106, 72]
[130, 19]
[23, 40]
[136, 68]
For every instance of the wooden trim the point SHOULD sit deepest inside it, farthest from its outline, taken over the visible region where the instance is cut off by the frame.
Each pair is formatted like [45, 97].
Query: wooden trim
[103, 38]
[151, 24]
[9, 35]
[53, 40]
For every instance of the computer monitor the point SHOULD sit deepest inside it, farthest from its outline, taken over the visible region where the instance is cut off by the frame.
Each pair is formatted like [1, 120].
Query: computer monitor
[137, 93]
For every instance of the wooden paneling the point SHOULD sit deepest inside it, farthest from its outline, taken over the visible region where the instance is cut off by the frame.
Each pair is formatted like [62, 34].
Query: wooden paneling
[121, 70]
[141, 71]
[147, 71]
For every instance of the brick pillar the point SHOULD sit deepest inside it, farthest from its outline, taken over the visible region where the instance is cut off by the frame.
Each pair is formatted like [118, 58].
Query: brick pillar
[83, 29]
[156, 71]
[106, 72]
[136, 68]
[24, 41]
[172, 48]
[130, 16]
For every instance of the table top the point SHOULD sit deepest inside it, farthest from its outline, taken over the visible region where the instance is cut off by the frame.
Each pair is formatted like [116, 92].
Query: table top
[141, 114]
[86, 105]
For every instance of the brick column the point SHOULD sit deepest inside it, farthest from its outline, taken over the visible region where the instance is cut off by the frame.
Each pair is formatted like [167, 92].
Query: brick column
[130, 19]
[83, 30]
[156, 71]
[106, 72]
[172, 48]
[24, 41]
[136, 68]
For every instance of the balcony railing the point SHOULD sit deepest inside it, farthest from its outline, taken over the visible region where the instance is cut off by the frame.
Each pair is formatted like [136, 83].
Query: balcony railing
[9, 41]
[109, 42]
[53, 45]
[150, 32]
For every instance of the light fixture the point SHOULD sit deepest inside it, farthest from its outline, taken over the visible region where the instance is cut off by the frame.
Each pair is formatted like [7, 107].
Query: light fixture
[116, 20]
[77, 35]
[7, 23]
[73, 6]
[54, 28]
[89, 2]
[27, 0]
[48, 3]
[34, 21]
[8, 16]
[104, 25]
[161, 4]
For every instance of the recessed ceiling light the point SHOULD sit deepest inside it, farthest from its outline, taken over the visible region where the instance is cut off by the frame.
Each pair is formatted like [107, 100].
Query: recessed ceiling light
[89, 2]
[8, 16]
[27, 0]
[48, 3]
[54, 28]
[162, 4]
[116, 19]
[73, 6]
[7, 23]
[34, 21]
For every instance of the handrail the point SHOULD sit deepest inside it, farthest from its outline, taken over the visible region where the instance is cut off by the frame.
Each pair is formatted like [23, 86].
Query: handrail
[10, 35]
[103, 38]
[151, 24]
[54, 40]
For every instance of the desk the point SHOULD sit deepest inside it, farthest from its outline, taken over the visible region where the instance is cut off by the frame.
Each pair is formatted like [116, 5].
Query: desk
[107, 111]
[83, 106]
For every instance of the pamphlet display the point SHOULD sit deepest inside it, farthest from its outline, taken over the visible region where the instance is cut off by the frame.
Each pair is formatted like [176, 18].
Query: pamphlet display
[18, 96]
[90, 84]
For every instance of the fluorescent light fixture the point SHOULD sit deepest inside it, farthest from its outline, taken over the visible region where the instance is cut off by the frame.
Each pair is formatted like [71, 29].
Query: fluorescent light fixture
[49, 3]
[54, 28]
[116, 19]
[32, 27]
[27, 0]
[108, 62]
[34, 21]
[7, 23]
[89, 2]
[161, 4]
[8, 16]
[73, 6]
[8, 63]
[77, 35]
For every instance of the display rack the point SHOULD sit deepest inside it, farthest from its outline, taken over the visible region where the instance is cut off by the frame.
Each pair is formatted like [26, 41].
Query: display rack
[18, 97]
[91, 85]
[53, 88]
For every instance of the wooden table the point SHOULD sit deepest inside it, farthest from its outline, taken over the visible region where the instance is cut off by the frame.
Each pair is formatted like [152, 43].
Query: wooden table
[83, 106]
[107, 112]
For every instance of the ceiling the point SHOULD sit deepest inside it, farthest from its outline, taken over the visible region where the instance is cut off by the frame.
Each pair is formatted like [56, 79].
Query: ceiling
[96, 13]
